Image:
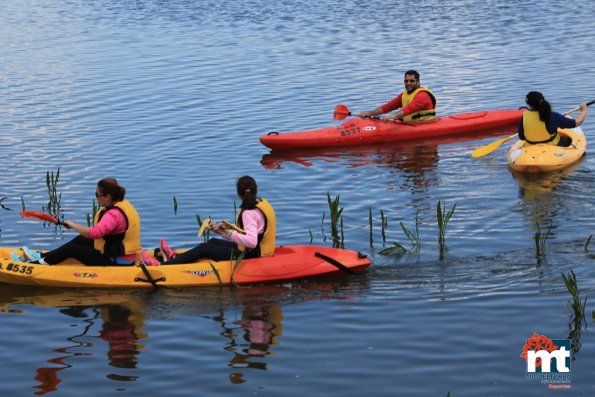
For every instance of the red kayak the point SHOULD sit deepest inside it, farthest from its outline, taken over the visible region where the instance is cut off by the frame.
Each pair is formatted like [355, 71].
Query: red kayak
[358, 131]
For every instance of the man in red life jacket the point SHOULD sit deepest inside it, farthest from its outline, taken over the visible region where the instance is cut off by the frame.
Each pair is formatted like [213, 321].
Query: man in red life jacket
[416, 103]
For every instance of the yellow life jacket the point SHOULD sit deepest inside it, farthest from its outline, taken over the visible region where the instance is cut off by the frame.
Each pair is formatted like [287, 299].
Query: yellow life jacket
[115, 245]
[422, 115]
[266, 240]
[535, 129]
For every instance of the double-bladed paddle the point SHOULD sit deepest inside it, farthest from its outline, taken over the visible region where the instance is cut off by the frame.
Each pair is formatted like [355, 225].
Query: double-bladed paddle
[493, 146]
[225, 224]
[42, 216]
[342, 111]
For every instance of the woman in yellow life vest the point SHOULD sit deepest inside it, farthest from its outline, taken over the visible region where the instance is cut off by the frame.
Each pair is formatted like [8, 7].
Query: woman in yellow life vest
[540, 125]
[416, 103]
[114, 238]
[256, 219]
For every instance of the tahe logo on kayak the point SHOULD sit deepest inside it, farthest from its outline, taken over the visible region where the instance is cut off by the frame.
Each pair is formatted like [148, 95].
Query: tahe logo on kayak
[369, 128]
[200, 273]
[85, 275]
[548, 360]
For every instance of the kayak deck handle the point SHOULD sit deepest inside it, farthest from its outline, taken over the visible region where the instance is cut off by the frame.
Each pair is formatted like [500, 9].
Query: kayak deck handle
[334, 262]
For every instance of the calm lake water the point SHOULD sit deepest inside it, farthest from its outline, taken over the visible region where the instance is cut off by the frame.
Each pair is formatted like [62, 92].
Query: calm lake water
[170, 97]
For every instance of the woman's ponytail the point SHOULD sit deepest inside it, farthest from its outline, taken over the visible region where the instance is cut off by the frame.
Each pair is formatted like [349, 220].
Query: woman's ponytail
[247, 190]
[536, 101]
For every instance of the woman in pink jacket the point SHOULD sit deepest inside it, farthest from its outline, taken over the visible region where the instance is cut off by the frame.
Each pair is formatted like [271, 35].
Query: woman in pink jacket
[114, 238]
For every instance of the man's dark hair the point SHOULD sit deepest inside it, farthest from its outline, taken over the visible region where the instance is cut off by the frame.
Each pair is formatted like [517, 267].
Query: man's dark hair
[413, 72]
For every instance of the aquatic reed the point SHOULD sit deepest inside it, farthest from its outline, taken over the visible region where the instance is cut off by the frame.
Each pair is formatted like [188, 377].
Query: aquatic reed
[3, 206]
[383, 225]
[443, 217]
[216, 273]
[91, 217]
[236, 264]
[587, 243]
[371, 223]
[396, 250]
[175, 206]
[577, 318]
[54, 207]
[540, 239]
[335, 218]
[413, 235]
[342, 236]
[578, 307]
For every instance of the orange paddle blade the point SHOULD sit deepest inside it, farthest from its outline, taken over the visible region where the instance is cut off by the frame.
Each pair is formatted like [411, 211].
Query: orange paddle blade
[341, 111]
[42, 216]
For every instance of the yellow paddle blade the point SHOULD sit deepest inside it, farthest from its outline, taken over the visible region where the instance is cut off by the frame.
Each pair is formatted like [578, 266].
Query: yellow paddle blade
[490, 147]
[204, 226]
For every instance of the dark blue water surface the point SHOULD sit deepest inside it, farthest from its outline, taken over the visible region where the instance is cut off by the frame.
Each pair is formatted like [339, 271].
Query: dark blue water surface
[170, 98]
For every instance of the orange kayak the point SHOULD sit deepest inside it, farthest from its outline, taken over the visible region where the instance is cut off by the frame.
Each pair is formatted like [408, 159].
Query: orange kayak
[360, 131]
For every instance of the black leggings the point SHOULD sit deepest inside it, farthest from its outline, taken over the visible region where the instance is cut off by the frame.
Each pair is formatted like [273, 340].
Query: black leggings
[215, 249]
[80, 248]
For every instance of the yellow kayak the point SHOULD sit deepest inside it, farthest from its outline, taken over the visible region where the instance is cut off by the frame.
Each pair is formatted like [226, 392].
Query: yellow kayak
[541, 157]
[288, 263]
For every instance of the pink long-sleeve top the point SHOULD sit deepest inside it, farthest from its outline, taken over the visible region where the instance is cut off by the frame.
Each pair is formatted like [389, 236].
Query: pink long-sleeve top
[112, 222]
[254, 223]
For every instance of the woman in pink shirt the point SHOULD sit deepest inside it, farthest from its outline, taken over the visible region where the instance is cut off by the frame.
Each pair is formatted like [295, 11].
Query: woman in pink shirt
[114, 239]
[257, 219]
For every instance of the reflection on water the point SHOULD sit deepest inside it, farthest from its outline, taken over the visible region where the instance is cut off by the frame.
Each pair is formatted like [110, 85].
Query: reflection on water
[119, 319]
[533, 185]
[120, 316]
[543, 204]
[48, 376]
[260, 326]
[122, 330]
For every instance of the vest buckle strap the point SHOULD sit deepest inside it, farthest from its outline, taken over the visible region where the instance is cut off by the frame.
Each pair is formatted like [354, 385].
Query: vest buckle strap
[420, 115]
[552, 138]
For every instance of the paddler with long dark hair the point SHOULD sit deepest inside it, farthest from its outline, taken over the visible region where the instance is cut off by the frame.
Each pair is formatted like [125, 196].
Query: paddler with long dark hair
[257, 236]
[539, 124]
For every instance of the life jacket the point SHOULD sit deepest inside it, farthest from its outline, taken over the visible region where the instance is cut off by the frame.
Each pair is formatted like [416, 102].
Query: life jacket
[536, 131]
[266, 239]
[422, 115]
[115, 245]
